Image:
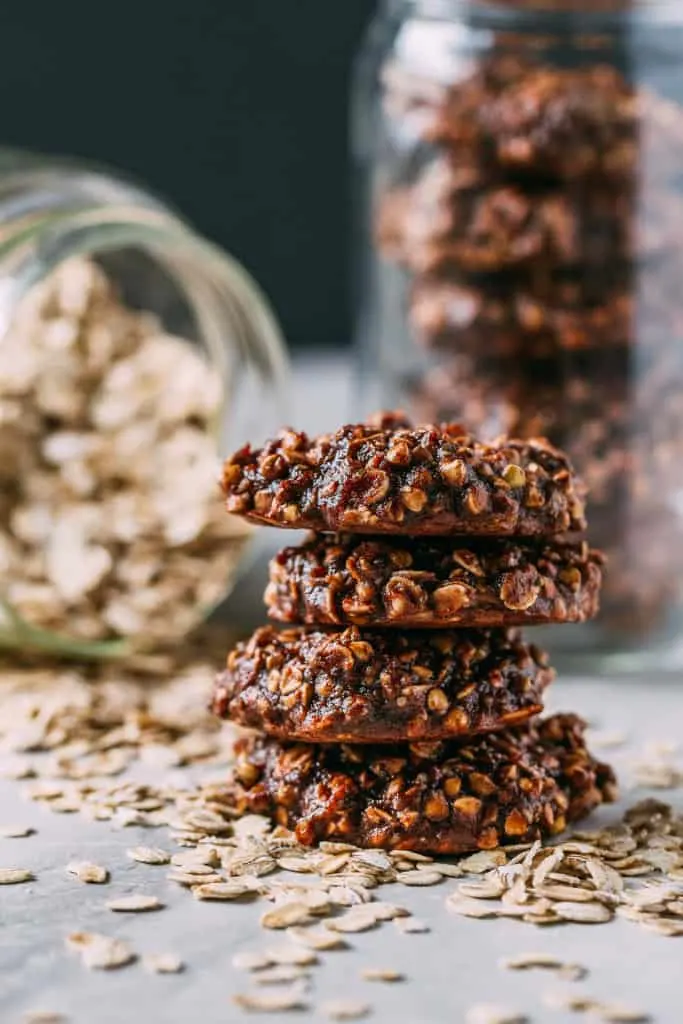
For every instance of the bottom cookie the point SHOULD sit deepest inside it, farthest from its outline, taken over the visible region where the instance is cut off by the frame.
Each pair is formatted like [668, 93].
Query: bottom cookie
[439, 798]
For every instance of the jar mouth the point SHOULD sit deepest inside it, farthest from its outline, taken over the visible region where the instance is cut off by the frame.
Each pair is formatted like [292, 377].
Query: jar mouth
[544, 15]
[232, 319]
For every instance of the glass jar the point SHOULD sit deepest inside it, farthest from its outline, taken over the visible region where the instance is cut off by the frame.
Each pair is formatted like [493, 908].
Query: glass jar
[520, 170]
[133, 354]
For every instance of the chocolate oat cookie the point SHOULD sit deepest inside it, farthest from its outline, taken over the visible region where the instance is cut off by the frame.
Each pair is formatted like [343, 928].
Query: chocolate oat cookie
[504, 321]
[543, 122]
[374, 686]
[387, 476]
[440, 798]
[434, 227]
[432, 583]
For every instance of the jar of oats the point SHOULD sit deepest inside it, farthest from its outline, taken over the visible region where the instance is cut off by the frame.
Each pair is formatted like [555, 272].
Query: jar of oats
[520, 165]
[133, 353]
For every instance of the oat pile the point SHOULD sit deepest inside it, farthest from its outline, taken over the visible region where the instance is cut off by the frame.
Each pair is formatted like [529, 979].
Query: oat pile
[109, 523]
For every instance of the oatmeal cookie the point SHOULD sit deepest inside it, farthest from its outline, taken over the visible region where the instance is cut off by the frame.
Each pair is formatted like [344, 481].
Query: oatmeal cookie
[438, 798]
[387, 476]
[381, 685]
[432, 583]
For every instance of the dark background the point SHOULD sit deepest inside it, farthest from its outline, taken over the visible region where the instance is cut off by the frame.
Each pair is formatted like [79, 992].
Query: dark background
[236, 110]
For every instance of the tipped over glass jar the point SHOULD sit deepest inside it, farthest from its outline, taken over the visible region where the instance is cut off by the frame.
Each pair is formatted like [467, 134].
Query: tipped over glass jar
[133, 353]
[520, 167]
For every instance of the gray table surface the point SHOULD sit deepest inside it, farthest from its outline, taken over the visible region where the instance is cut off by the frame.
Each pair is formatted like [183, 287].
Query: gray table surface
[447, 970]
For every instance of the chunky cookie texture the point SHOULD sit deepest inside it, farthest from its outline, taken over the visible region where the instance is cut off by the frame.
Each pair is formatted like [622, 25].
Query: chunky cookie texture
[536, 123]
[367, 686]
[433, 226]
[499, 319]
[341, 580]
[439, 798]
[388, 476]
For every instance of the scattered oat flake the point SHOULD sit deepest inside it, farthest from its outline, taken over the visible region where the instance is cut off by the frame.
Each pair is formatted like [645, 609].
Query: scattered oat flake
[285, 915]
[477, 863]
[222, 890]
[545, 961]
[251, 961]
[148, 855]
[485, 1013]
[345, 1009]
[280, 975]
[619, 1013]
[134, 904]
[317, 939]
[353, 921]
[271, 1002]
[381, 974]
[85, 871]
[13, 876]
[419, 877]
[292, 956]
[411, 925]
[575, 1004]
[163, 963]
[43, 1017]
[16, 831]
[101, 951]
[583, 913]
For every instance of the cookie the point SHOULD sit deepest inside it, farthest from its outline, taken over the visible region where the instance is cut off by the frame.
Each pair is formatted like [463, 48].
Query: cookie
[506, 321]
[439, 798]
[540, 122]
[387, 476]
[381, 686]
[432, 583]
[435, 228]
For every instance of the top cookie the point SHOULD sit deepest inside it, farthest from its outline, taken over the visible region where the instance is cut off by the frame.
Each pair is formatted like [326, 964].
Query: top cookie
[387, 476]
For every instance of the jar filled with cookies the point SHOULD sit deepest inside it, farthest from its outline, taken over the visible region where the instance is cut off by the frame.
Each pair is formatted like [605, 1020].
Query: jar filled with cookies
[519, 167]
[133, 353]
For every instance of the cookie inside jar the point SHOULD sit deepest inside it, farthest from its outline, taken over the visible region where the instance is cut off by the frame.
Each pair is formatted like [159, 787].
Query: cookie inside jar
[520, 189]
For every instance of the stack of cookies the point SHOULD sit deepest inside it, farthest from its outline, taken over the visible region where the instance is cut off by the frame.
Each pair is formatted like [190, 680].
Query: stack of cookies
[398, 709]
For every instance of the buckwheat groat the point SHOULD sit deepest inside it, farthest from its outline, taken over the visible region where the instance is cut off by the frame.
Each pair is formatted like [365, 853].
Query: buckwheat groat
[390, 477]
[441, 798]
[381, 686]
[340, 580]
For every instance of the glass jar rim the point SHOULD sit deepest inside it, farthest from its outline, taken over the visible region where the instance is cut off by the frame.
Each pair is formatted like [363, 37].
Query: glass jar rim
[47, 241]
[541, 14]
